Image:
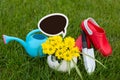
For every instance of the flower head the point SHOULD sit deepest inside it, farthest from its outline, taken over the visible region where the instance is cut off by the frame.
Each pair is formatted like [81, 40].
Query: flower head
[69, 42]
[48, 49]
[67, 56]
[75, 52]
[59, 53]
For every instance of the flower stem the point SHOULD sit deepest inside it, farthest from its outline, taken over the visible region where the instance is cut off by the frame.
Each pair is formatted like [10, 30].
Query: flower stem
[77, 70]
[68, 65]
[95, 60]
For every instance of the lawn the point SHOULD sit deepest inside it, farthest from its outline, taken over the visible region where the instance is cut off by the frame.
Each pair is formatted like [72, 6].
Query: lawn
[18, 17]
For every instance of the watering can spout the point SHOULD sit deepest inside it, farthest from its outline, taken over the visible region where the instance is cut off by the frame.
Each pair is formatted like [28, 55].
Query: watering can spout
[7, 39]
[32, 44]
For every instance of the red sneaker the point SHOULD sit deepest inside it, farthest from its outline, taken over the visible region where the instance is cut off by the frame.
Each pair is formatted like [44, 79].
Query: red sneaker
[97, 36]
[78, 42]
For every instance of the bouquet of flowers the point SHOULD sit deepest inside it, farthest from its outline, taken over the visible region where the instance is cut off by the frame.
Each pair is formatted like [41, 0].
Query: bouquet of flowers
[62, 53]
[61, 49]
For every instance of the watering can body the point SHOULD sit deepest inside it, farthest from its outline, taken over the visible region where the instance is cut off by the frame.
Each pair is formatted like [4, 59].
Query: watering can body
[32, 44]
[35, 49]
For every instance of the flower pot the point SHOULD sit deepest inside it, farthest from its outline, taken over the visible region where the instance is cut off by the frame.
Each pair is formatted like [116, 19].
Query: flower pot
[60, 66]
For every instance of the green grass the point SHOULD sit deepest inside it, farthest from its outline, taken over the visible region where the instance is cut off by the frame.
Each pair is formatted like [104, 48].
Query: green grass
[18, 17]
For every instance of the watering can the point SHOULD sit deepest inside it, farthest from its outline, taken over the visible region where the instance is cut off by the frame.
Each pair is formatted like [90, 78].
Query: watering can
[32, 44]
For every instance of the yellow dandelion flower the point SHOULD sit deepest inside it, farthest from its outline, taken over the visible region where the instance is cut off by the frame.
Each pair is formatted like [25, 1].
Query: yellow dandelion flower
[69, 39]
[47, 42]
[76, 54]
[75, 51]
[50, 49]
[59, 54]
[68, 46]
[51, 38]
[67, 56]
[69, 42]
[55, 38]
[60, 46]
[44, 47]
[53, 43]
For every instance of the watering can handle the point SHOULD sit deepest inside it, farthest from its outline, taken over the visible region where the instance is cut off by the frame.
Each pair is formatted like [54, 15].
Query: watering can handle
[32, 32]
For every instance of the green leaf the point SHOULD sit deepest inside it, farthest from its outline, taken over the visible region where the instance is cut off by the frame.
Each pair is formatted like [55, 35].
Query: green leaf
[77, 70]
[95, 60]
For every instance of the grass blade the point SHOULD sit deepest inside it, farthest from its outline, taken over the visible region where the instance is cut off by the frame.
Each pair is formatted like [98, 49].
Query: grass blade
[77, 70]
[95, 60]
